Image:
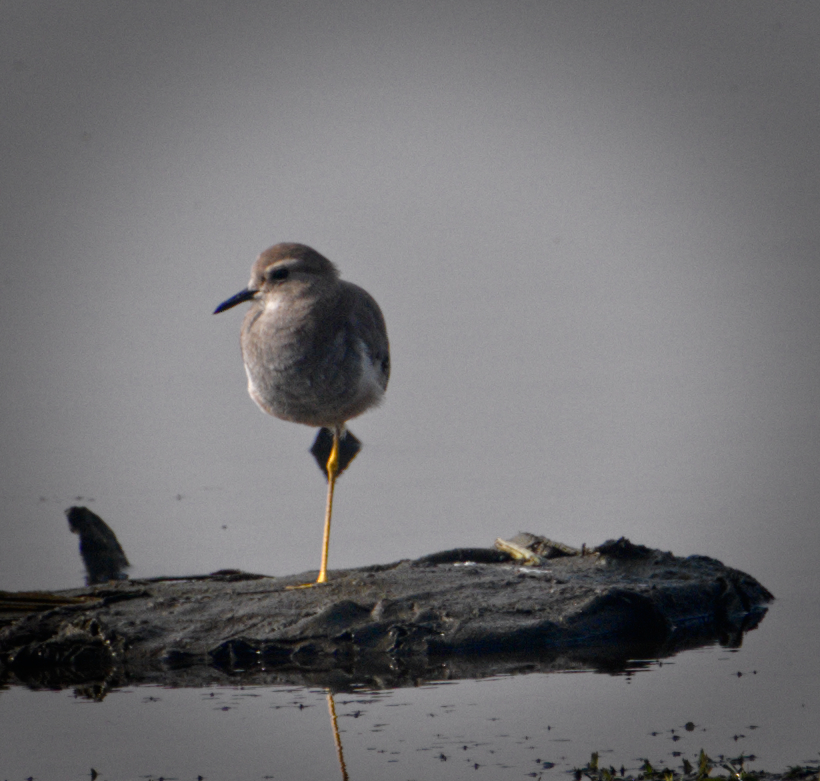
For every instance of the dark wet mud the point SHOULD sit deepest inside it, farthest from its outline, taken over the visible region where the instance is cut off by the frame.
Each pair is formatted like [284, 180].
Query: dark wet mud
[466, 613]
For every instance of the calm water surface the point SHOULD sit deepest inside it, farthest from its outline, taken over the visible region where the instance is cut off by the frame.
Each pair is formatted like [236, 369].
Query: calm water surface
[761, 700]
[592, 228]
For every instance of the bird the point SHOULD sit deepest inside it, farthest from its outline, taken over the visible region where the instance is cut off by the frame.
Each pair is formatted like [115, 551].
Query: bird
[316, 352]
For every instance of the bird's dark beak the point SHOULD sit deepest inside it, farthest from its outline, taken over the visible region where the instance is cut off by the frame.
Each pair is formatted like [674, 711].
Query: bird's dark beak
[243, 295]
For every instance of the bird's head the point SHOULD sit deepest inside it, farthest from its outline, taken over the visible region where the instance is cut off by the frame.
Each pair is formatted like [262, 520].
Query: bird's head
[284, 264]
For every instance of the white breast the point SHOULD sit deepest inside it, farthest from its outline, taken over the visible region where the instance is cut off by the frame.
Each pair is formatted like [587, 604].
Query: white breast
[371, 383]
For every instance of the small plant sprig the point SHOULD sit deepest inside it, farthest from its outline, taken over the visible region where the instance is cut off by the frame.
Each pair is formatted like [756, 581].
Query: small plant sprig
[734, 768]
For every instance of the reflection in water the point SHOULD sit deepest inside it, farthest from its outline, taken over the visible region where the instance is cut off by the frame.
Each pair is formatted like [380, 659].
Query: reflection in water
[337, 738]
[504, 725]
[723, 701]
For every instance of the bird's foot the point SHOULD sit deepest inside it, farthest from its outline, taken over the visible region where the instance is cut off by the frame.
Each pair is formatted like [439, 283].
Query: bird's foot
[306, 585]
[349, 446]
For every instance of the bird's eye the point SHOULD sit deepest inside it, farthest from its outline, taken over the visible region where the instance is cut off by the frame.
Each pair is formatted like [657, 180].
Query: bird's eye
[278, 274]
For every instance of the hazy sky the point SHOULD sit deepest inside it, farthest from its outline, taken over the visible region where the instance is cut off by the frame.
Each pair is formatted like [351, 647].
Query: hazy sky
[592, 228]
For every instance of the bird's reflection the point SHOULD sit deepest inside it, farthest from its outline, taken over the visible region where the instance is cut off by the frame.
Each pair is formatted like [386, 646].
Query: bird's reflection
[337, 738]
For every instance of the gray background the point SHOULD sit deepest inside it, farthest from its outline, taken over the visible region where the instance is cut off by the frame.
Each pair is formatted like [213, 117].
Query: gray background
[592, 228]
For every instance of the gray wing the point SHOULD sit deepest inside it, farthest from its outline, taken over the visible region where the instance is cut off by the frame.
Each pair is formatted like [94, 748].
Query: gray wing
[370, 326]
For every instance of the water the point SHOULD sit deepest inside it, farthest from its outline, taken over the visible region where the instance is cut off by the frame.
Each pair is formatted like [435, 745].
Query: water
[593, 231]
[762, 701]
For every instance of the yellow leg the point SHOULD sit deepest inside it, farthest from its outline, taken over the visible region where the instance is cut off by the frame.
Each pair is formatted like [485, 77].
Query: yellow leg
[332, 472]
[337, 738]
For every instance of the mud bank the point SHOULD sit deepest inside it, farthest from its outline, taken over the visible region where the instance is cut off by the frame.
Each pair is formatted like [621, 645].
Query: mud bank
[457, 614]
